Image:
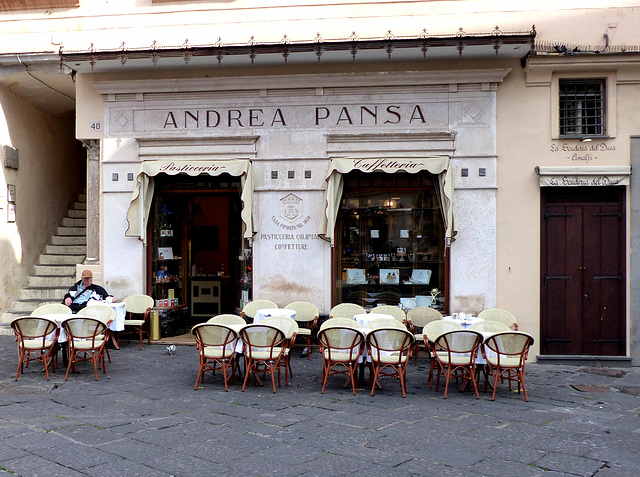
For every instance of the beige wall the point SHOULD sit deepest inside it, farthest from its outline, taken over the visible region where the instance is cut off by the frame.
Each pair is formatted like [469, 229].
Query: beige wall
[50, 176]
[526, 139]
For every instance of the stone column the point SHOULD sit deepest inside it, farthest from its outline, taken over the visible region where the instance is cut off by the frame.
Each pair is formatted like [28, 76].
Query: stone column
[93, 200]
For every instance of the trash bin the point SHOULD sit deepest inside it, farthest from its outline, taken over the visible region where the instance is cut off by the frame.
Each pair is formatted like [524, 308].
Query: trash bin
[154, 325]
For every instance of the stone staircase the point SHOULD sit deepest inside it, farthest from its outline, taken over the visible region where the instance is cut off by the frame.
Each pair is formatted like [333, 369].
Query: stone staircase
[56, 268]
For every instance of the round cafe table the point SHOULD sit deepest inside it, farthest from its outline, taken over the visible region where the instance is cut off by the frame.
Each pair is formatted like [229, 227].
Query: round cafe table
[118, 323]
[363, 319]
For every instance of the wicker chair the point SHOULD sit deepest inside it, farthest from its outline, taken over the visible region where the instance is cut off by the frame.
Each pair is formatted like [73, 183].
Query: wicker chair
[263, 351]
[386, 323]
[346, 310]
[341, 348]
[417, 318]
[501, 316]
[342, 322]
[506, 354]
[430, 333]
[389, 351]
[249, 310]
[289, 327]
[86, 338]
[489, 327]
[456, 353]
[307, 317]
[216, 345]
[49, 308]
[397, 313]
[36, 338]
[138, 305]
[104, 313]
[227, 319]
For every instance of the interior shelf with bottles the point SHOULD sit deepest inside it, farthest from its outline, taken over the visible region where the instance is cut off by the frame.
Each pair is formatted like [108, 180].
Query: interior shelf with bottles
[391, 245]
[167, 261]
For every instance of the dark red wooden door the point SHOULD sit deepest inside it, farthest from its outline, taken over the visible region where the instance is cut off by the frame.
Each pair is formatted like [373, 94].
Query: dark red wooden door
[583, 271]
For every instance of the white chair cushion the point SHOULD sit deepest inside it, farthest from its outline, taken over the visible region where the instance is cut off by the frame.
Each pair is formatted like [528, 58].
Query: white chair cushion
[133, 322]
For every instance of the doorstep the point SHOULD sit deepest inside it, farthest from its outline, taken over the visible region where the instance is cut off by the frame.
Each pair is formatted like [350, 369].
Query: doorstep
[581, 360]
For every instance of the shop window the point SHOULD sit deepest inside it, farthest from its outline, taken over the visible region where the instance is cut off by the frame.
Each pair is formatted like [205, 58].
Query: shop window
[391, 241]
[582, 107]
[197, 255]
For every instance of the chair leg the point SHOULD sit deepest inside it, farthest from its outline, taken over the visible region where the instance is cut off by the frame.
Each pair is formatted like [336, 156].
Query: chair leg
[140, 331]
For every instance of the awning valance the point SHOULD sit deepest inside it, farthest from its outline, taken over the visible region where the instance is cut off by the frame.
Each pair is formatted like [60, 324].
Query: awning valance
[438, 165]
[575, 176]
[138, 213]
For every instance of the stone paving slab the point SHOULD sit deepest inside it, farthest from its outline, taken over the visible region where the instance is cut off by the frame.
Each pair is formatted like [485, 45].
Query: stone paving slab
[143, 418]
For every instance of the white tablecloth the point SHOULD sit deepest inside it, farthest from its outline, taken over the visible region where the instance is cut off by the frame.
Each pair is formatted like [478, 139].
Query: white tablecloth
[466, 322]
[121, 311]
[263, 313]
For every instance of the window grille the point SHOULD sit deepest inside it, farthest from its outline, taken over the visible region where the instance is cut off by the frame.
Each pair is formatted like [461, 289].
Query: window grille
[582, 107]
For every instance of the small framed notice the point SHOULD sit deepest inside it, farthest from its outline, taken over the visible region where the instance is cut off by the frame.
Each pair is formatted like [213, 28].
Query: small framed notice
[165, 253]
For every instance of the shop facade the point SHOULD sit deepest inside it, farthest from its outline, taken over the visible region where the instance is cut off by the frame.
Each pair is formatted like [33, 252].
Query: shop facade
[334, 188]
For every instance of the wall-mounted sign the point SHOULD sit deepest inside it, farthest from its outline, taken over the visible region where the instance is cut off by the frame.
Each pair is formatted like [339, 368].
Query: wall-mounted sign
[586, 176]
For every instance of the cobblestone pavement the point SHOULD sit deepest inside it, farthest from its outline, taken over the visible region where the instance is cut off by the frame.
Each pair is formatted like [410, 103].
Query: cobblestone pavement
[144, 418]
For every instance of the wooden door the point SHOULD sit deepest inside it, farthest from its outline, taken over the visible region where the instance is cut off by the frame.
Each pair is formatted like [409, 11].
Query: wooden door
[583, 271]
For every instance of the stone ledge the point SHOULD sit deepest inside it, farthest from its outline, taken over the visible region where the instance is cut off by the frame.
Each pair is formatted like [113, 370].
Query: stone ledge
[580, 360]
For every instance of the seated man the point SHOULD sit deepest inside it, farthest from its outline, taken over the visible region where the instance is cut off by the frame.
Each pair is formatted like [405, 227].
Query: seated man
[84, 290]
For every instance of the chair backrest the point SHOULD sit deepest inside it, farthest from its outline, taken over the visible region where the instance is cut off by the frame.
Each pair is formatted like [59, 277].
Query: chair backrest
[138, 303]
[346, 310]
[51, 308]
[490, 326]
[227, 319]
[343, 340]
[510, 344]
[252, 307]
[339, 322]
[501, 316]
[421, 315]
[34, 328]
[461, 342]
[215, 335]
[397, 313]
[385, 323]
[84, 328]
[305, 312]
[260, 339]
[434, 329]
[104, 313]
[386, 342]
[287, 325]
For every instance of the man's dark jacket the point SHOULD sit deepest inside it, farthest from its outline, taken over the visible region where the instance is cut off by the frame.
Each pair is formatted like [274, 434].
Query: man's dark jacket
[75, 307]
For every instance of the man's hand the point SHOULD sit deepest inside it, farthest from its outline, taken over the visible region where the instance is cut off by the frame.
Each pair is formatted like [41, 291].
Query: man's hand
[67, 301]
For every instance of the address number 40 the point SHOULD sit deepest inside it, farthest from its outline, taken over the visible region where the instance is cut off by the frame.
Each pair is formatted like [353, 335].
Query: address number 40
[95, 125]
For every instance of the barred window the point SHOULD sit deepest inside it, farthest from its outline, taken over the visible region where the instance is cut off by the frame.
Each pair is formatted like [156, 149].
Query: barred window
[582, 107]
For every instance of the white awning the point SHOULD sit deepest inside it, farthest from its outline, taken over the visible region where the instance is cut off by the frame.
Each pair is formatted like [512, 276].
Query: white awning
[138, 213]
[590, 176]
[438, 165]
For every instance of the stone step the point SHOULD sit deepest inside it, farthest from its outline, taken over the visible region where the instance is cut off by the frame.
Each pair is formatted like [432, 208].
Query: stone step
[82, 198]
[78, 214]
[72, 231]
[26, 306]
[69, 240]
[48, 270]
[74, 222]
[50, 259]
[79, 205]
[56, 281]
[66, 249]
[43, 293]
